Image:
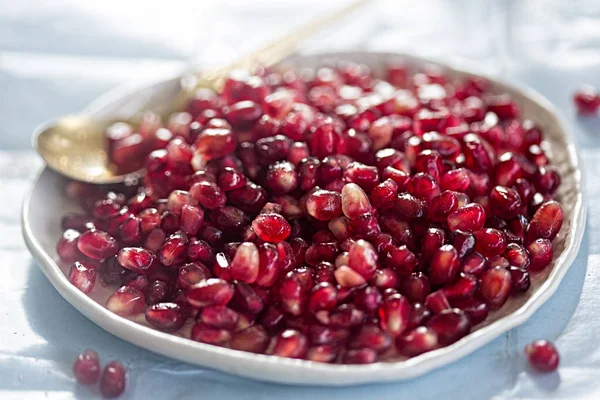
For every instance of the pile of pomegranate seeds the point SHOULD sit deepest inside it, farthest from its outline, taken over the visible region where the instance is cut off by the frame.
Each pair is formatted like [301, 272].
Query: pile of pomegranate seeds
[587, 100]
[325, 215]
[87, 371]
[542, 355]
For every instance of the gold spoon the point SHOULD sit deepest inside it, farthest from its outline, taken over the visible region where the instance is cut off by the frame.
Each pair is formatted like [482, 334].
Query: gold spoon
[75, 146]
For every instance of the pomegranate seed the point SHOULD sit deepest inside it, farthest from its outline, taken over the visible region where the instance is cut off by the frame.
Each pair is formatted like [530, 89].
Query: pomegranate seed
[469, 218]
[221, 317]
[417, 341]
[191, 274]
[210, 335]
[587, 100]
[449, 325]
[208, 194]
[354, 201]
[253, 339]
[83, 276]
[360, 356]
[127, 300]
[136, 259]
[271, 227]
[423, 186]
[394, 314]
[546, 221]
[437, 301]
[323, 296]
[444, 265]
[112, 380]
[490, 242]
[365, 176]
[495, 286]
[520, 280]
[67, 246]
[97, 245]
[541, 254]
[244, 265]
[474, 263]
[290, 344]
[324, 205]
[87, 367]
[371, 337]
[165, 316]
[363, 258]
[464, 287]
[439, 207]
[542, 355]
[111, 273]
[174, 249]
[210, 292]
[477, 310]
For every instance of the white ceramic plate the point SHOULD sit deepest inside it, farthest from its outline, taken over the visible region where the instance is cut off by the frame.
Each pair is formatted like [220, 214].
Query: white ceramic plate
[46, 203]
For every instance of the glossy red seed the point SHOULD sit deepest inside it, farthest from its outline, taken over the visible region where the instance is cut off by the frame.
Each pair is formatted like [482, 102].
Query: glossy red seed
[394, 314]
[210, 292]
[417, 341]
[490, 242]
[136, 259]
[520, 280]
[210, 335]
[174, 249]
[444, 265]
[437, 302]
[439, 207]
[464, 287]
[324, 205]
[113, 380]
[271, 227]
[469, 218]
[67, 246]
[477, 310]
[587, 100]
[546, 221]
[126, 301]
[423, 186]
[449, 325]
[83, 276]
[323, 296]
[165, 316]
[505, 202]
[208, 194]
[360, 356]
[97, 244]
[540, 251]
[542, 355]
[86, 367]
[244, 265]
[363, 175]
[495, 286]
[290, 343]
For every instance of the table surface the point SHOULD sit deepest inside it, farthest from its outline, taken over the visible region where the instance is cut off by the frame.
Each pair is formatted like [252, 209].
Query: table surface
[55, 57]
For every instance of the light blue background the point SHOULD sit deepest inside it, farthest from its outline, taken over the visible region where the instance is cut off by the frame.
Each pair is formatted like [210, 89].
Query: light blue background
[55, 57]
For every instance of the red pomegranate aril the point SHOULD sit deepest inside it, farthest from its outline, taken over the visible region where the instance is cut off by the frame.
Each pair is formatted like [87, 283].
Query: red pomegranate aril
[174, 249]
[439, 207]
[192, 218]
[464, 287]
[520, 280]
[371, 337]
[105, 209]
[323, 296]
[136, 259]
[289, 343]
[401, 259]
[458, 180]
[365, 176]
[464, 243]
[587, 100]
[385, 278]
[490, 242]
[429, 162]
[86, 367]
[325, 353]
[542, 355]
[247, 298]
[546, 180]
[394, 314]
[474, 263]
[156, 291]
[169, 222]
[546, 221]
[210, 335]
[363, 258]
[208, 194]
[469, 218]
[165, 316]
[423, 186]
[354, 201]
[253, 339]
[83, 276]
[244, 265]
[495, 286]
[113, 380]
[210, 292]
[417, 341]
[505, 202]
[67, 246]
[360, 356]
[477, 310]
[324, 205]
[368, 299]
[220, 317]
[97, 244]
[517, 255]
[271, 227]
[540, 251]
[126, 301]
[437, 302]
[449, 325]
[444, 265]
[191, 274]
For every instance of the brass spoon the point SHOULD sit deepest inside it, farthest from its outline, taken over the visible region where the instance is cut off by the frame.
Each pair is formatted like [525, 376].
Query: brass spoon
[75, 146]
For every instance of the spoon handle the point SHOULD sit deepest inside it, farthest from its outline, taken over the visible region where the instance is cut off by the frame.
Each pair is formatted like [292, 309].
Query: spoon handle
[277, 50]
